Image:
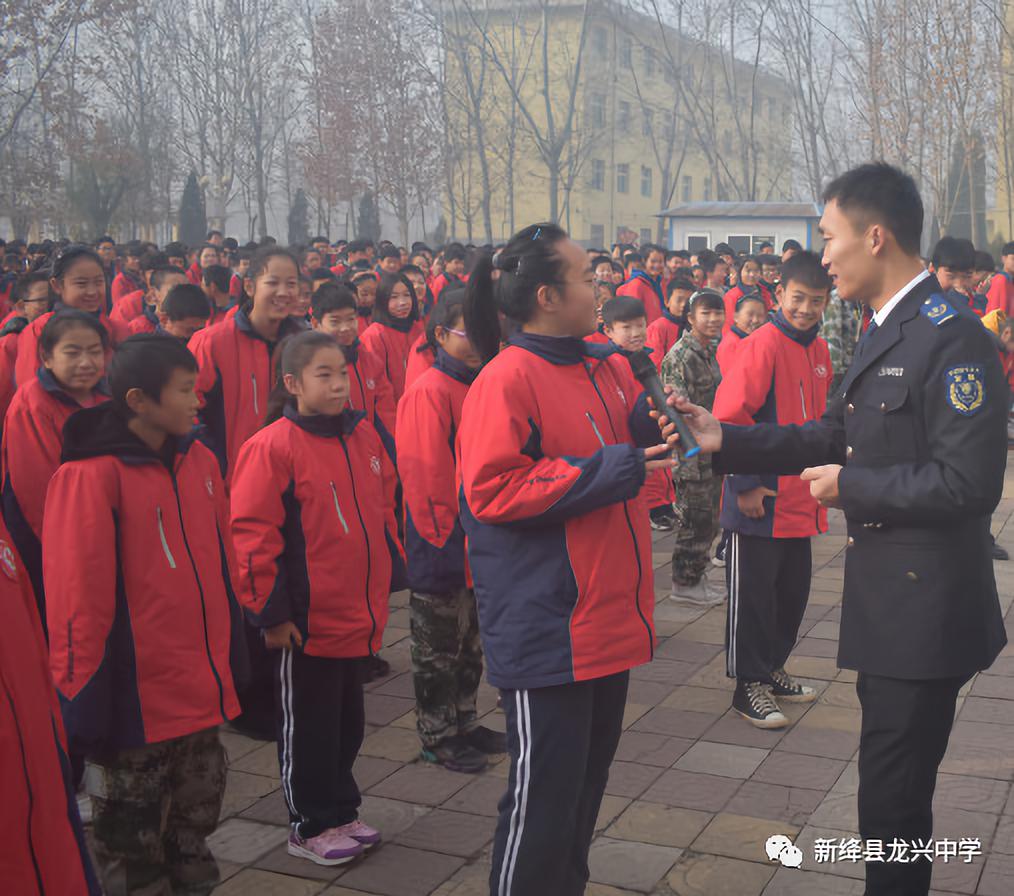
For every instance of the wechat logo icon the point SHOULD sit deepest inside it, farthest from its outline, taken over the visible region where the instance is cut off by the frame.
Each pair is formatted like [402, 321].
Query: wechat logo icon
[780, 848]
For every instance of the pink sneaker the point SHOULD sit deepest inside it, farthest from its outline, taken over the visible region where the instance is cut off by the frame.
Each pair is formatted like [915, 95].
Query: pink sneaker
[361, 833]
[330, 847]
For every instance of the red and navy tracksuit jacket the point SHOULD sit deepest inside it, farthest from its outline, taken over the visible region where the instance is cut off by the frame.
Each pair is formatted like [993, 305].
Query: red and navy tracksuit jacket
[137, 561]
[146, 322]
[44, 848]
[429, 415]
[442, 282]
[1001, 294]
[781, 376]
[32, 444]
[663, 333]
[314, 528]
[129, 307]
[558, 539]
[391, 347]
[646, 288]
[370, 392]
[235, 377]
[418, 361]
[9, 335]
[125, 283]
[734, 295]
[728, 347]
[27, 363]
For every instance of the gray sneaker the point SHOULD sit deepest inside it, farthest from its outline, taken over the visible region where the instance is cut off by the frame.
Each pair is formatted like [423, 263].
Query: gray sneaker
[703, 595]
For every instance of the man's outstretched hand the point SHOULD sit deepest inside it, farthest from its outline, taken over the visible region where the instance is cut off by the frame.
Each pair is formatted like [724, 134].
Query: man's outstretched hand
[705, 428]
[823, 483]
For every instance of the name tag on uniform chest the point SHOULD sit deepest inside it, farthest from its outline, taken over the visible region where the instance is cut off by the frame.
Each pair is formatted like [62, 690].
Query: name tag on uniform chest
[891, 371]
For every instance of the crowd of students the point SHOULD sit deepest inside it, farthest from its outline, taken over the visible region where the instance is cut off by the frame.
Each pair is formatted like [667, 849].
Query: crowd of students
[361, 412]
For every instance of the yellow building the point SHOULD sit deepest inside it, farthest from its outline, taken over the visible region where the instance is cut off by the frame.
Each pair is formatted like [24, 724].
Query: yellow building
[597, 114]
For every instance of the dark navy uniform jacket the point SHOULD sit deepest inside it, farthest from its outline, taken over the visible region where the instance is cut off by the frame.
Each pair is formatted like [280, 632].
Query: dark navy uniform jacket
[920, 424]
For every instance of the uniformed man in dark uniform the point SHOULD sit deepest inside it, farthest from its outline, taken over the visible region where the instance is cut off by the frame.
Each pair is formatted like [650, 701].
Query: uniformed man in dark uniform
[913, 449]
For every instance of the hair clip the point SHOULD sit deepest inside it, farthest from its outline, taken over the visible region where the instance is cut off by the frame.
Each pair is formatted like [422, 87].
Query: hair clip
[537, 234]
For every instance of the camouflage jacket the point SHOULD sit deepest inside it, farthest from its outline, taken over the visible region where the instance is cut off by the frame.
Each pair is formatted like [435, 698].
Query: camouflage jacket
[840, 328]
[692, 369]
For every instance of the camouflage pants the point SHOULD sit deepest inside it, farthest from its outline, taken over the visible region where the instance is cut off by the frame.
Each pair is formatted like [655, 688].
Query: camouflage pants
[153, 808]
[446, 663]
[697, 503]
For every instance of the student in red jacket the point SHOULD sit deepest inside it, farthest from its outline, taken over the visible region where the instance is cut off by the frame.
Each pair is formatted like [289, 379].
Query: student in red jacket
[364, 285]
[132, 305]
[183, 312]
[334, 313]
[216, 281]
[77, 280]
[31, 298]
[665, 332]
[72, 349]
[137, 565]
[446, 651]
[313, 521]
[646, 284]
[424, 298]
[1001, 287]
[162, 279]
[748, 281]
[208, 255]
[781, 376]
[44, 845]
[559, 547]
[131, 278]
[235, 356]
[454, 256]
[749, 313]
[395, 328]
[423, 352]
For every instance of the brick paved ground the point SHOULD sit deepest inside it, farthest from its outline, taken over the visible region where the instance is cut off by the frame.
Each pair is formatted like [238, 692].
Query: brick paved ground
[694, 791]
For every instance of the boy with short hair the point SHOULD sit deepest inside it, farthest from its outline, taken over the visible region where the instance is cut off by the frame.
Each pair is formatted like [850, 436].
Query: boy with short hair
[130, 278]
[716, 270]
[665, 332]
[625, 325]
[137, 573]
[183, 312]
[781, 376]
[162, 279]
[645, 283]
[216, 281]
[1001, 287]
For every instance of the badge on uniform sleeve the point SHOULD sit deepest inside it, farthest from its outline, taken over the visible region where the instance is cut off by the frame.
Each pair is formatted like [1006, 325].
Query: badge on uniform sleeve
[7, 562]
[966, 390]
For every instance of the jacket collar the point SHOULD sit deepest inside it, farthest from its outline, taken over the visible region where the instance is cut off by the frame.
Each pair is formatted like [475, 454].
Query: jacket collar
[323, 425]
[53, 388]
[885, 337]
[454, 368]
[680, 322]
[244, 325]
[742, 334]
[351, 352]
[803, 337]
[561, 350]
[102, 430]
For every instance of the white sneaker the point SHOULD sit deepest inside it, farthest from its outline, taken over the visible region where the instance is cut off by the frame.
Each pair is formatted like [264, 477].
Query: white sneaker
[84, 808]
[704, 594]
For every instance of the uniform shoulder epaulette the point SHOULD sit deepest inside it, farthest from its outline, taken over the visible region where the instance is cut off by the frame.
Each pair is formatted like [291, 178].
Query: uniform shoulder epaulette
[938, 310]
[14, 325]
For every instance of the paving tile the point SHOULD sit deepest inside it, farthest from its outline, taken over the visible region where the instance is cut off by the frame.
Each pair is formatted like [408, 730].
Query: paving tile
[707, 875]
[382, 709]
[236, 745]
[740, 836]
[687, 650]
[837, 810]
[397, 870]
[453, 833]
[370, 770]
[697, 699]
[634, 866]
[472, 880]
[270, 809]
[796, 882]
[251, 882]
[792, 805]
[670, 672]
[974, 794]
[798, 770]
[825, 742]
[658, 824]
[1003, 837]
[651, 749]
[631, 779]
[263, 760]
[956, 823]
[676, 722]
[609, 809]
[243, 790]
[997, 878]
[397, 686]
[840, 867]
[825, 668]
[390, 817]
[836, 718]
[734, 729]
[478, 797]
[396, 744]
[728, 760]
[987, 709]
[242, 841]
[280, 862]
[691, 790]
[957, 876]
[423, 783]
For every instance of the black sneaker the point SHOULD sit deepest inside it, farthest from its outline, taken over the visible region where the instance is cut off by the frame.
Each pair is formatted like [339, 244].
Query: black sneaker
[753, 701]
[662, 518]
[486, 740]
[786, 688]
[377, 668]
[999, 553]
[456, 755]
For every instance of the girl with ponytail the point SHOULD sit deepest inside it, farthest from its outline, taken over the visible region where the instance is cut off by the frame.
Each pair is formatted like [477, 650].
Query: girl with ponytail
[551, 460]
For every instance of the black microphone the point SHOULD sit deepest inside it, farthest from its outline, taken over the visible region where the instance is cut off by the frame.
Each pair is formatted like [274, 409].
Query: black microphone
[646, 374]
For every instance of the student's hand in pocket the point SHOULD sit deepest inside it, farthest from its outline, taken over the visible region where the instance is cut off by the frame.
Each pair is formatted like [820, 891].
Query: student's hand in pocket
[284, 636]
[751, 503]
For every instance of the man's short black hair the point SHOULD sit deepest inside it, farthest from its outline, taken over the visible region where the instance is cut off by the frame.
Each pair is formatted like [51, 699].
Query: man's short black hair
[953, 253]
[185, 301]
[806, 269]
[357, 246]
[217, 275]
[455, 252]
[708, 262]
[880, 193]
[331, 297]
[765, 245]
[682, 281]
[621, 309]
[146, 362]
[724, 249]
[633, 258]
